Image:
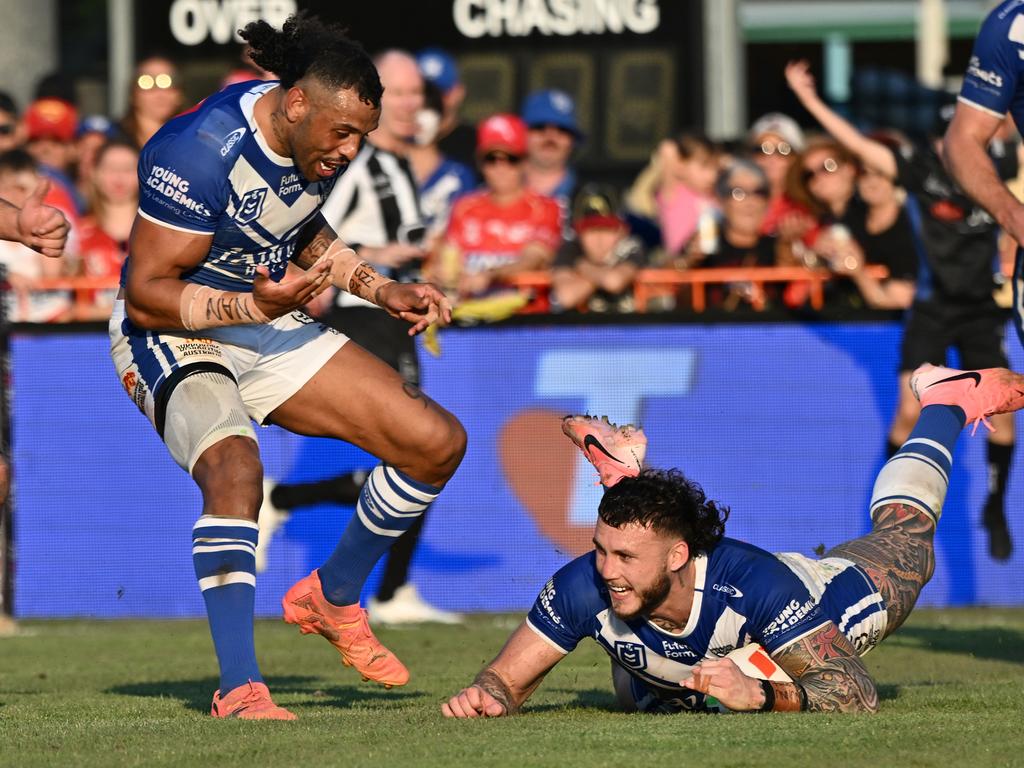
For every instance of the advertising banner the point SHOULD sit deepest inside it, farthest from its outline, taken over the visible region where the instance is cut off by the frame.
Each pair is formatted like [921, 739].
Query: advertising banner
[785, 424]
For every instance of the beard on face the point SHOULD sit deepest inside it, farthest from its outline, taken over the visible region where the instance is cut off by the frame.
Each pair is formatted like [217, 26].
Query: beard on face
[650, 598]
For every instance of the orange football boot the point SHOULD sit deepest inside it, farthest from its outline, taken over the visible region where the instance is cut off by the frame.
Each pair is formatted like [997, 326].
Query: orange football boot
[346, 628]
[249, 702]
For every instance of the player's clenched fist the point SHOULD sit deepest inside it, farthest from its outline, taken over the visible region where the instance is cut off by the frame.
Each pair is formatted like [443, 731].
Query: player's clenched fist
[473, 702]
[722, 679]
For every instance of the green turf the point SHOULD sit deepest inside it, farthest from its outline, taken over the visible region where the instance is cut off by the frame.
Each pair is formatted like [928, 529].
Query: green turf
[137, 693]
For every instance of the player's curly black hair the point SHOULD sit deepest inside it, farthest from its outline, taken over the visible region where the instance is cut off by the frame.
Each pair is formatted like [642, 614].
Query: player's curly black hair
[305, 45]
[665, 501]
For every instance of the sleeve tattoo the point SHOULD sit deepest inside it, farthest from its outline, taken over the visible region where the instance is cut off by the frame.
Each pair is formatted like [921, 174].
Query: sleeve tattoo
[831, 674]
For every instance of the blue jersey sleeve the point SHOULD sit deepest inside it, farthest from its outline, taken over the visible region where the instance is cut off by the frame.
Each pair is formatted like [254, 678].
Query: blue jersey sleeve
[994, 70]
[183, 178]
[566, 607]
[786, 612]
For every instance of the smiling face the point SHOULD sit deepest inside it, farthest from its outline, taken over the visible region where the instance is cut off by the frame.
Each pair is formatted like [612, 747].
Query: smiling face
[326, 128]
[403, 96]
[638, 565]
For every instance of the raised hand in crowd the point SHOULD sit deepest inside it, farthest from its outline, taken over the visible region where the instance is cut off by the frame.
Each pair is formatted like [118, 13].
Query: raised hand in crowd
[37, 225]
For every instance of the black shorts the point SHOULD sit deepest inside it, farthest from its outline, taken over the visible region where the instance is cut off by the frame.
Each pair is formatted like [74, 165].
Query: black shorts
[378, 332]
[978, 332]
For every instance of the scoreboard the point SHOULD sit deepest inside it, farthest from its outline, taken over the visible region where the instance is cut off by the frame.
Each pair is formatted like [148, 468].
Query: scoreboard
[633, 66]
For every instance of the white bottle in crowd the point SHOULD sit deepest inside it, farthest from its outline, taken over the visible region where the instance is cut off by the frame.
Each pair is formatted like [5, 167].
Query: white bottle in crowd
[707, 231]
[839, 233]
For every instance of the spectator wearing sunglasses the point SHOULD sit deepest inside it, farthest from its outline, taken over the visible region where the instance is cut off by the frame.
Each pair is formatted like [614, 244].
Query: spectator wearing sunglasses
[953, 304]
[774, 142]
[504, 228]
[743, 191]
[155, 99]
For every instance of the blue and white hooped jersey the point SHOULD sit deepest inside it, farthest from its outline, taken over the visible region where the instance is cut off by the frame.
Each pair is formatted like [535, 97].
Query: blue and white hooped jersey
[210, 171]
[742, 595]
[993, 79]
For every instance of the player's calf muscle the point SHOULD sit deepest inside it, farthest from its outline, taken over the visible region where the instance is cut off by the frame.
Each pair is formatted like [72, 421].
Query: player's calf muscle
[898, 556]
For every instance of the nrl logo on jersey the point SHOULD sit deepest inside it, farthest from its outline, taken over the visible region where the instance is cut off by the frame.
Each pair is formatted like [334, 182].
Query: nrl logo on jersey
[633, 655]
[250, 206]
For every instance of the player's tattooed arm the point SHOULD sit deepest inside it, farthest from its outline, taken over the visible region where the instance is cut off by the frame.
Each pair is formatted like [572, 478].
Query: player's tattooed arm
[506, 683]
[491, 682]
[826, 666]
[319, 241]
[314, 240]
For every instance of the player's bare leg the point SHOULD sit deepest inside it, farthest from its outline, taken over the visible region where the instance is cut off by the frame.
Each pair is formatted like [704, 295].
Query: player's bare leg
[229, 474]
[898, 554]
[360, 399]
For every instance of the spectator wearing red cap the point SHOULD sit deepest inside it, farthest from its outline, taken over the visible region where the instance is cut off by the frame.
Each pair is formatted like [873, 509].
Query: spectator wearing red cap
[505, 228]
[51, 124]
[596, 270]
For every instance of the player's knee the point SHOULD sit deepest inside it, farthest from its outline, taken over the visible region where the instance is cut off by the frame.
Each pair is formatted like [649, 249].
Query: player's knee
[449, 443]
[230, 475]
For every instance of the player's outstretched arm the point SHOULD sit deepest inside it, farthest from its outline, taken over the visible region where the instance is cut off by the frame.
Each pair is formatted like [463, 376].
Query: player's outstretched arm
[966, 157]
[872, 153]
[419, 304]
[503, 685]
[156, 298]
[828, 675]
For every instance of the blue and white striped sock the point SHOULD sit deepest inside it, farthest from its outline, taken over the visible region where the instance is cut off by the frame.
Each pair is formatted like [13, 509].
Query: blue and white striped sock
[224, 556]
[388, 505]
[918, 473]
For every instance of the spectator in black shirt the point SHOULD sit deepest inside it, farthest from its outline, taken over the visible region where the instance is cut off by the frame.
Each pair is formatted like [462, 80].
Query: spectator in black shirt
[742, 189]
[880, 233]
[953, 305]
[596, 269]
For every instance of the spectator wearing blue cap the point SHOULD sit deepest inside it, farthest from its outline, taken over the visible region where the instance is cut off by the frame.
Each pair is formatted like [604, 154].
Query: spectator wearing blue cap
[550, 116]
[456, 139]
[93, 132]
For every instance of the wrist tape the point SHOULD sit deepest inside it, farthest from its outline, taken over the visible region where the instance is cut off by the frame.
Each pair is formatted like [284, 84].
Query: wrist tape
[241, 308]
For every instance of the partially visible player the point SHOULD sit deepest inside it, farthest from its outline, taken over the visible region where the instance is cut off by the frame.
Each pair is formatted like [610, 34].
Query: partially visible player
[993, 85]
[669, 598]
[227, 246]
[41, 227]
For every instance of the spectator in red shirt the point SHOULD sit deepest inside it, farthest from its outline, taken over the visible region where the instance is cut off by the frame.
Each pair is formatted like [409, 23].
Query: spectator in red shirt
[103, 235]
[505, 228]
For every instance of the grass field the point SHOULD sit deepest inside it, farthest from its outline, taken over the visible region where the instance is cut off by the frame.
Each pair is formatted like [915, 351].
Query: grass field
[137, 693]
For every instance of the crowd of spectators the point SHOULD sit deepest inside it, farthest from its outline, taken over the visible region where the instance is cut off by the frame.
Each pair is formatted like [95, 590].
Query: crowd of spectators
[504, 198]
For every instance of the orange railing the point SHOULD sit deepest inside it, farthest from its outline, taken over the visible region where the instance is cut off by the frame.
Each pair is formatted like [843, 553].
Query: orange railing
[654, 283]
[650, 284]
